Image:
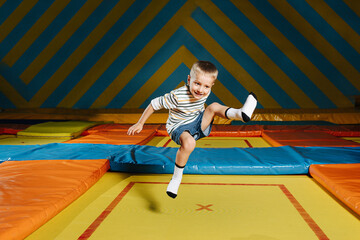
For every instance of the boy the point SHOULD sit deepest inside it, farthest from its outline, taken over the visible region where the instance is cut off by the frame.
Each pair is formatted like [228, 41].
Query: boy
[188, 119]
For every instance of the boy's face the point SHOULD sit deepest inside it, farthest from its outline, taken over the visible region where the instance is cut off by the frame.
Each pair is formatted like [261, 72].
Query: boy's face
[200, 85]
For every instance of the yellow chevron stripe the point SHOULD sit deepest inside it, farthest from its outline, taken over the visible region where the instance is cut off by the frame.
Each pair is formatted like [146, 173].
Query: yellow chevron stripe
[149, 50]
[10, 23]
[179, 85]
[257, 54]
[113, 53]
[354, 5]
[323, 46]
[12, 94]
[53, 47]
[295, 56]
[85, 47]
[261, 58]
[156, 80]
[35, 31]
[340, 26]
[2, 2]
[234, 68]
[182, 55]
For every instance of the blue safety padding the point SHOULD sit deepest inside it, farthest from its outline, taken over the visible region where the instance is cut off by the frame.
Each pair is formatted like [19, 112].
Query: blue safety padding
[227, 161]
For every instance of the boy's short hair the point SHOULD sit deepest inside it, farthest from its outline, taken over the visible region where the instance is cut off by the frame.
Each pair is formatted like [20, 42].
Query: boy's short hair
[203, 67]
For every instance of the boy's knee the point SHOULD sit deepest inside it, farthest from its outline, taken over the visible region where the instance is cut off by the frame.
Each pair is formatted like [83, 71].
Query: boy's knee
[188, 143]
[213, 106]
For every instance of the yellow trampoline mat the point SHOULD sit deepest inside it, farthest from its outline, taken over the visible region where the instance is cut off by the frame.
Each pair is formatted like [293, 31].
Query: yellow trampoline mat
[214, 142]
[207, 207]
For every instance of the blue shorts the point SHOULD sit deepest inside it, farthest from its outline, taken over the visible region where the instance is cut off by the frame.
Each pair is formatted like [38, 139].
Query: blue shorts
[194, 128]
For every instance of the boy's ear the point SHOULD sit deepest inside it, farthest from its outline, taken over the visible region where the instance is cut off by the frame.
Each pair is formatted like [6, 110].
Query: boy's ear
[188, 80]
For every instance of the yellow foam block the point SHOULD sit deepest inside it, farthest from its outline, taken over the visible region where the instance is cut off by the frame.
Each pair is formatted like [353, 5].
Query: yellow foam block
[57, 129]
[2, 137]
[24, 140]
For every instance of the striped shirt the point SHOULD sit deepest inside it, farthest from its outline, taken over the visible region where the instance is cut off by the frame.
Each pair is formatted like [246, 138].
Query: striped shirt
[183, 107]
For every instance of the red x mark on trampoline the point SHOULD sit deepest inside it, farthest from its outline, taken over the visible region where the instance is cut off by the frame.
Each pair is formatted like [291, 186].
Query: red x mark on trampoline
[202, 207]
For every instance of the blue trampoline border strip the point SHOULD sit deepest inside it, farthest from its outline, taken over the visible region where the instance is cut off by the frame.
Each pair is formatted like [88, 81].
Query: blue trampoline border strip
[160, 160]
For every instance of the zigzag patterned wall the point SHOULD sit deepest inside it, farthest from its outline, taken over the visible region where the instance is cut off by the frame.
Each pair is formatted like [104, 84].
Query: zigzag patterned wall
[120, 54]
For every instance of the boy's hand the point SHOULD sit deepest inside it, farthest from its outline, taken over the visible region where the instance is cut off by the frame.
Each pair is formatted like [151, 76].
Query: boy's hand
[136, 128]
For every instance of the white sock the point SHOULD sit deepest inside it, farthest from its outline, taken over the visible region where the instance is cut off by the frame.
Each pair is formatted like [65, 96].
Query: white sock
[174, 184]
[244, 114]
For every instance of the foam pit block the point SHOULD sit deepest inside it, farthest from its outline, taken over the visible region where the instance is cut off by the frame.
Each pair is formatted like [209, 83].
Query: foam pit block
[342, 180]
[32, 192]
[116, 134]
[306, 139]
[57, 129]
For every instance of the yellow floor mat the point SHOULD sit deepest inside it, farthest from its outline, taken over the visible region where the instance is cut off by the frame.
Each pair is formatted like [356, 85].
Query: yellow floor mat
[121, 206]
[214, 142]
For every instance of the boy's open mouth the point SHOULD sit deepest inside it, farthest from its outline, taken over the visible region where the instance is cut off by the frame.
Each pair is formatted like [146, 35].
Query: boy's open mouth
[198, 94]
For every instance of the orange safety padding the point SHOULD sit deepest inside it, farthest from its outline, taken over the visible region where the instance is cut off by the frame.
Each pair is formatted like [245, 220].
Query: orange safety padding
[12, 128]
[305, 139]
[236, 131]
[224, 130]
[105, 128]
[342, 180]
[345, 130]
[32, 192]
[161, 131]
[116, 134]
[294, 128]
[335, 130]
[111, 127]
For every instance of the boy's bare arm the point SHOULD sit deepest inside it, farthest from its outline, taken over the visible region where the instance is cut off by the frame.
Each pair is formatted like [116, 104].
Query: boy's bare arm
[137, 127]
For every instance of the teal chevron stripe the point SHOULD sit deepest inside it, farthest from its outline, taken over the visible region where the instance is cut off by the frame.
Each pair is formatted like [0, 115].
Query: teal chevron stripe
[7, 8]
[242, 58]
[273, 52]
[23, 26]
[346, 13]
[47, 35]
[180, 38]
[120, 54]
[305, 47]
[327, 32]
[174, 80]
[97, 51]
[13, 80]
[129, 53]
[5, 101]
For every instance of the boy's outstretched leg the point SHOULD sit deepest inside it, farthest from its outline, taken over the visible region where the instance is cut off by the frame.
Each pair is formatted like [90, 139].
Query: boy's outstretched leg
[215, 109]
[245, 112]
[187, 146]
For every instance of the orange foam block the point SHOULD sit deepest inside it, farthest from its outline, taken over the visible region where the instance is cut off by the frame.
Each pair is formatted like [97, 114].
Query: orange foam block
[116, 134]
[342, 180]
[32, 192]
[306, 139]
